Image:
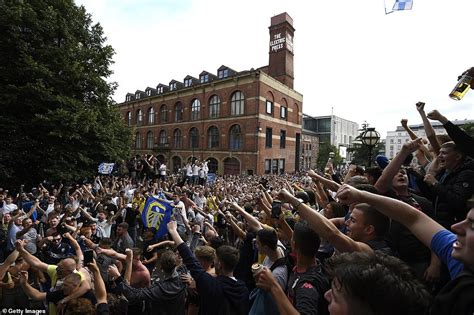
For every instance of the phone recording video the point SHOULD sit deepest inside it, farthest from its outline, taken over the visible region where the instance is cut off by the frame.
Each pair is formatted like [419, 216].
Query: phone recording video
[276, 209]
[88, 257]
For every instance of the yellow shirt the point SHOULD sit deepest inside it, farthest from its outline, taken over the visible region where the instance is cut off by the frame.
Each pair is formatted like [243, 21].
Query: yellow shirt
[53, 275]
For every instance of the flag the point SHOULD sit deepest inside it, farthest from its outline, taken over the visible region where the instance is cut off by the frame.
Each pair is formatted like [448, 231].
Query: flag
[402, 5]
[106, 168]
[156, 214]
[398, 5]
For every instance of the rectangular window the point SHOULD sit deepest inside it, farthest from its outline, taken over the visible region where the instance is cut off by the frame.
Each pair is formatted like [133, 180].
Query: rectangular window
[268, 164]
[281, 166]
[283, 112]
[269, 107]
[172, 86]
[188, 83]
[282, 139]
[268, 138]
[205, 78]
[223, 73]
[391, 140]
[399, 140]
[275, 166]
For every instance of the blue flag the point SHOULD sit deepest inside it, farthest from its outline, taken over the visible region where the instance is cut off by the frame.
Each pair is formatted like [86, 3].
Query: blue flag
[399, 5]
[106, 168]
[156, 214]
[402, 5]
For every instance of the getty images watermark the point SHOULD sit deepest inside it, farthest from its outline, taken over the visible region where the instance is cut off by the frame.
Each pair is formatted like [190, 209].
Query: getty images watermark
[22, 311]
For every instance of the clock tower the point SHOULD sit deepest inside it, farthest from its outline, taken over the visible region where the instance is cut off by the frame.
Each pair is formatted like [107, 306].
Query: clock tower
[280, 65]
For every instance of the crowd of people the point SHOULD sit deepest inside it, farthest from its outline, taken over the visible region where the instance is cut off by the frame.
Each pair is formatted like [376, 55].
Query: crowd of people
[397, 238]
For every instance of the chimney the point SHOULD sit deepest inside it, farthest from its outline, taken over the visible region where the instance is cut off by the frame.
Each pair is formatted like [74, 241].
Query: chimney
[280, 64]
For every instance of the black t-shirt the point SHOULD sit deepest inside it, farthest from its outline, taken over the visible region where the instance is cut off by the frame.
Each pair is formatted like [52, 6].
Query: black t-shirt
[243, 269]
[306, 290]
[131, 217]
[407, 246]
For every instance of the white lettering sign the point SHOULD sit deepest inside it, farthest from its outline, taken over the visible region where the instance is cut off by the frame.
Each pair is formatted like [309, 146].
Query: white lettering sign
[278, 42]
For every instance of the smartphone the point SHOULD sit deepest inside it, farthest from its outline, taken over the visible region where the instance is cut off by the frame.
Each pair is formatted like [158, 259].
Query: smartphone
[276, 209]
[88, 257]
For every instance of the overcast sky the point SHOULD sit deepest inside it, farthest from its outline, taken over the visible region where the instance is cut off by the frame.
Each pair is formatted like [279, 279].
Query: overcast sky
[349, 55]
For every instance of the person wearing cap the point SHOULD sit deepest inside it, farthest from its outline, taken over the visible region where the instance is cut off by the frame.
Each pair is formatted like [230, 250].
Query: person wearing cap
[381, 161]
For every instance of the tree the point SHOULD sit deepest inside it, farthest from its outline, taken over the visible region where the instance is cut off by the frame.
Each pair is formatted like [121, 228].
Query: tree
[323, 156]
[58, 120]
[360, 152]
[469, 129]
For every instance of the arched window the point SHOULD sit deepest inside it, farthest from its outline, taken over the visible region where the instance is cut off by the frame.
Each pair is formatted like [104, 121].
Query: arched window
[151, 116]
[163, 137]
[214, 106]
[235, 138]
[231, 166]
[194, 138]
[237, 104]
[212, 137]
[178, 112]
[195, 109]
[138, 141]
[163, 114]
[177, 139]
[149, 140]
[129, 118]
[213, 165]
[139, 117]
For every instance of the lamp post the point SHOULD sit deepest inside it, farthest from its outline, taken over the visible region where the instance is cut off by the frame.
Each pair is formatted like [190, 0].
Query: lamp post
[370, 138]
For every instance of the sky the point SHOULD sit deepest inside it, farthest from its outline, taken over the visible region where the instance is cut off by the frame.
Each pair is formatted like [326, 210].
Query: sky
[351, 59]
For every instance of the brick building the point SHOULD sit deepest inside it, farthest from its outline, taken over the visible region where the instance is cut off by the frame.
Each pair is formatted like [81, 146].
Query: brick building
[243, 122]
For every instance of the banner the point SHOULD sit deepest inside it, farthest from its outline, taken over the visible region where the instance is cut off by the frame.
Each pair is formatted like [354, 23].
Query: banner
[106, 168]
[156, 214]
[398, 5]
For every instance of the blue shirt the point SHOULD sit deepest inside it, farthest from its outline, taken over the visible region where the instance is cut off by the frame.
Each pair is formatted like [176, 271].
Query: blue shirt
[442, 245]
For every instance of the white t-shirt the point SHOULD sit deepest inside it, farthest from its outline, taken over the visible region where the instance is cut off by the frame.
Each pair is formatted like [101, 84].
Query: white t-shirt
[7, 208]
[162, 169]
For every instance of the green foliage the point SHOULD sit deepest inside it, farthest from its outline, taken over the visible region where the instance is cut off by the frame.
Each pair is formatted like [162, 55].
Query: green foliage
[360, 154]
[58, 118]
[323, 156]
[469, 129]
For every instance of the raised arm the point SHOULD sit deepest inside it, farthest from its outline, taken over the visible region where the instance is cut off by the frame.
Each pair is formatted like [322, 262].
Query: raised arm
[6, 264]
[30, 259]
[323, 226]
[254, 224]
[328, 183]
[430, 133]
[459, 136]
[29, 290]
[384, 183]
[423, 151]
[422, 226]
[111, 253]
[99, 285]
[237, 230]
[128, 268]
[410, 132]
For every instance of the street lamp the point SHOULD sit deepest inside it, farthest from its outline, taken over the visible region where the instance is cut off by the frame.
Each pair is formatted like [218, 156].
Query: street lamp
[370, 138]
